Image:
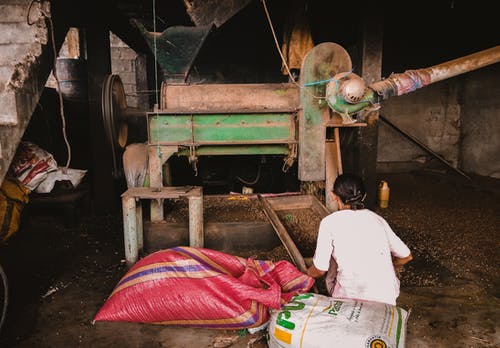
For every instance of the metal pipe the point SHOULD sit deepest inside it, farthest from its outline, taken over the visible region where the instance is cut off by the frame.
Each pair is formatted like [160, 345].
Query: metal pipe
[411, 80]
[465, 64]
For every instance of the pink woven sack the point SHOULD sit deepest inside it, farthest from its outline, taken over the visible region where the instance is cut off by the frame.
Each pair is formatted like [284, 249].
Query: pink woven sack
[200, 287]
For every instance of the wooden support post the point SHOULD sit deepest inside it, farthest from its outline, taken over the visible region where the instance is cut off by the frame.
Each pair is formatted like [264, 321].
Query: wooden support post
[371, 68]
[73, 40]
[196, 237]
[338, 157]
[157, 156]
[99, 65]
[138, 214]
[130, 231]
[333, 168]
[155, 182]
[132, 215]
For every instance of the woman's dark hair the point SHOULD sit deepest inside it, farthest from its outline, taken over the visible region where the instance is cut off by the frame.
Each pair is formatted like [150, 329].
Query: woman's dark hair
[351, 190]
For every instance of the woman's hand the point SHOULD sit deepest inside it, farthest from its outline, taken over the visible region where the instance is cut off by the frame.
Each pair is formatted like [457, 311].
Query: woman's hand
[399, 262]
[314, 272]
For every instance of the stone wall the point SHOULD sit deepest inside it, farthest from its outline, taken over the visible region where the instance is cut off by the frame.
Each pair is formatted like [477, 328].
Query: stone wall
[123, 63]
[20, 45]
[24, 60]
[480, 116]
[431, 115]
[456, 118]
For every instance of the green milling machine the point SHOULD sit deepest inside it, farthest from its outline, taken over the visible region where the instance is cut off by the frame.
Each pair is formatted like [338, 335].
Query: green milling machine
[289, 120]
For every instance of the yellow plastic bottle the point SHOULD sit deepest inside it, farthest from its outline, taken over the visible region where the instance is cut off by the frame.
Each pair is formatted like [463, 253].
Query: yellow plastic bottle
[383, 194]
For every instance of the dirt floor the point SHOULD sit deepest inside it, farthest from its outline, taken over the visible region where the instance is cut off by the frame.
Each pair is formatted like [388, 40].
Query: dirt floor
[60, 276]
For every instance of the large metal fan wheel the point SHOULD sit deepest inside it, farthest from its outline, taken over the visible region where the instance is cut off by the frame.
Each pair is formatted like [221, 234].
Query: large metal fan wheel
[114, 106]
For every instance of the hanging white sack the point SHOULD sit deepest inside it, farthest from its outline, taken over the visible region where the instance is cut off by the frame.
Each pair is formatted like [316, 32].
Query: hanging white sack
[61, 174]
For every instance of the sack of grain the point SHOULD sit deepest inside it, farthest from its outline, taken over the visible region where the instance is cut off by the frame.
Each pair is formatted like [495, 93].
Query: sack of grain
[200, 287]
[31, 164]
[311, 320]
[13, 198]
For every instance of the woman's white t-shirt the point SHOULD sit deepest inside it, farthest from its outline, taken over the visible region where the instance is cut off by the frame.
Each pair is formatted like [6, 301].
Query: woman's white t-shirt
[361, 242]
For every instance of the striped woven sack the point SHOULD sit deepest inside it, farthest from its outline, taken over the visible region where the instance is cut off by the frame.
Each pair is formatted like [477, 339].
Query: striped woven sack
[200, 287]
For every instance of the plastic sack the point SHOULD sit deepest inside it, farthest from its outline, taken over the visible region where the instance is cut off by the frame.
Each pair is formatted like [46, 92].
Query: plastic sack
[31, 164]
[319, 321]
[200, 287]
[75, 176]
[13, 198]
[135, 165]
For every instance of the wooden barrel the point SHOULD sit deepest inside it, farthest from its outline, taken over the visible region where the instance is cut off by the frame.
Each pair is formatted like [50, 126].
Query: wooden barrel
[72, 75]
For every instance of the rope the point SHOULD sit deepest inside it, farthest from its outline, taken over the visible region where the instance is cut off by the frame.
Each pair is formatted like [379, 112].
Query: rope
[317, 82]
[54, 72]
[277, 44]
[283, 58]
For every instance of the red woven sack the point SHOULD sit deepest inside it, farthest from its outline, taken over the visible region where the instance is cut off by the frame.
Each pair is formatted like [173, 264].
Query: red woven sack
[200, 287]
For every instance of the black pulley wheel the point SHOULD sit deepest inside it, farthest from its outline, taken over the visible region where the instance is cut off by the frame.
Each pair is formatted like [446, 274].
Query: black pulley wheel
[114, 106]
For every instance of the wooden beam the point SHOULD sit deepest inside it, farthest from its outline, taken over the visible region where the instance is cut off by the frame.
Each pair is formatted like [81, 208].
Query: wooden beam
[105, 197]
[422, 146]
[319, 208]
[290, 202]
[371, 68]
[196, 237]
[232, 237]
[333, 167]
[283, 235]
[130, 231]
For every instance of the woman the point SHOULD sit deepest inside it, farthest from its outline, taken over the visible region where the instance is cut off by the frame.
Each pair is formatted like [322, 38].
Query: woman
[358, 248]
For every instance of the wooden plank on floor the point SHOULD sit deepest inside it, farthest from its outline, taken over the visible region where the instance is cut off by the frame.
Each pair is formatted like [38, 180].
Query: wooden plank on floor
[298, 202]
[166, 192]
[229, 237]
[283, 235]
[319, 208]
[290, 202]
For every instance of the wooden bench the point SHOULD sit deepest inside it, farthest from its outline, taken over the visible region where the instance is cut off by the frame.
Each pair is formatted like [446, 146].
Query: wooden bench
[132, 215]
[71, 203]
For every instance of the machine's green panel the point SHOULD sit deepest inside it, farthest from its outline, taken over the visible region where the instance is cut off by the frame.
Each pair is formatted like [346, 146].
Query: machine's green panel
[218, 150]
[221, 129]
[169, 129]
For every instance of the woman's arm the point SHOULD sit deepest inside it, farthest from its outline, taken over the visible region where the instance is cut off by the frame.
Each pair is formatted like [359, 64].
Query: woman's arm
[314, 272]
[399, 262]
